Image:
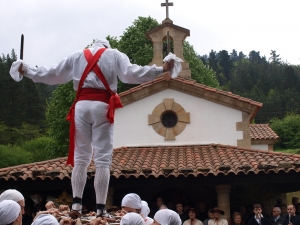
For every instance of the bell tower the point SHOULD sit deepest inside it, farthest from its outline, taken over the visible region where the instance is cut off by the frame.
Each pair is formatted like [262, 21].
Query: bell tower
[166, 31]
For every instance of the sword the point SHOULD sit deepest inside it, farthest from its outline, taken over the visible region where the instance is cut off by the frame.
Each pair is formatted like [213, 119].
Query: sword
[22, 47]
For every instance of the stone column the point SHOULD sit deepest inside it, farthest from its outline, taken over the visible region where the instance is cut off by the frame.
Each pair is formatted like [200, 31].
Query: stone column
[110, 198]
[224, 200]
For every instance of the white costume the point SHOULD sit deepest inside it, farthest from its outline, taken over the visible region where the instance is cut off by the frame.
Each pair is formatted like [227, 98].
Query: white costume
[93, 131]
[132, 200]
[9, 211]
[45, 219]
[132, 219]
[11, 194]
[145, 212]
[220, 222]
[167, 217]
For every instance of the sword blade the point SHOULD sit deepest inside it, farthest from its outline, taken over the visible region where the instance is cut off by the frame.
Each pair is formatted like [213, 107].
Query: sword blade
[22, 46]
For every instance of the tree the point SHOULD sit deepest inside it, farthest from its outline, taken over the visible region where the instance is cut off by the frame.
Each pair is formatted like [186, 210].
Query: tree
[201, 73]
[56, 113]
[213, 60]
[234, 56]
[13, 155]
[288, 129]
[225, 63]
[274, 58]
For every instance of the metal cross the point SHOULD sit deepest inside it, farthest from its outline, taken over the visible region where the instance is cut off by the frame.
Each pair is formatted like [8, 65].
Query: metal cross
[167, 4]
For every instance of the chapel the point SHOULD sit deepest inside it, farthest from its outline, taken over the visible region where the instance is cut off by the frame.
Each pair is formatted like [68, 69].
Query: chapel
[181, 140]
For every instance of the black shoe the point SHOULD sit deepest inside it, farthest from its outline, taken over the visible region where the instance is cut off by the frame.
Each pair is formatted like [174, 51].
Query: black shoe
[104, 214]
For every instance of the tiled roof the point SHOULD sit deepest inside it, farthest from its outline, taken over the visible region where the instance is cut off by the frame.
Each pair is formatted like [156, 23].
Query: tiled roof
[262, 131]
[168, 161]
[191, 87]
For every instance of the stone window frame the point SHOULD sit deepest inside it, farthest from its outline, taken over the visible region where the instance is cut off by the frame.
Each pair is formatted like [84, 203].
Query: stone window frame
[154, 119]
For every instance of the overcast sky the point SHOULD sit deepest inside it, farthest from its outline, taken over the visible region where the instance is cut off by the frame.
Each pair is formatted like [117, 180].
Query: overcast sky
[54, 29]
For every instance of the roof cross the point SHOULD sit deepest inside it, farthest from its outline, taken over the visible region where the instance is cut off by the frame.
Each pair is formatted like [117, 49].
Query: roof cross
[167, 4]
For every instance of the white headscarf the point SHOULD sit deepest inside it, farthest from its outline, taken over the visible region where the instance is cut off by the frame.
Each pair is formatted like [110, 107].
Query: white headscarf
[167, 217]
[101, 43]
[9, 211]
[11, 194]
[145, 209]
[132, 201]
[132, 219]
[45, 219]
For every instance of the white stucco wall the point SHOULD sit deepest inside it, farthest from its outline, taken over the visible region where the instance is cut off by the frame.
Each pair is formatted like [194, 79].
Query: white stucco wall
[261, 147]
[210, 122]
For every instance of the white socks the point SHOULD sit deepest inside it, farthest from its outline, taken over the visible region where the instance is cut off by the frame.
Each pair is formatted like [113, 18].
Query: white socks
[79, 175]
[101, 183]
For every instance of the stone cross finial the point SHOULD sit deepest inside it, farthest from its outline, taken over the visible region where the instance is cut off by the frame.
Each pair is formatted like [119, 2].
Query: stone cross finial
[167, 4]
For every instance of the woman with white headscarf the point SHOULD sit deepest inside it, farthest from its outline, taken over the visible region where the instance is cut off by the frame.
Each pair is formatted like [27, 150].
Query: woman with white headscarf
[145, 212]
[10, 213]
[132, 219]
[166, 217]
[131, 203]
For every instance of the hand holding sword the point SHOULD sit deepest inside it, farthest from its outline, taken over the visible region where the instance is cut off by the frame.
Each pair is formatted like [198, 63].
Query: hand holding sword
[20, 70]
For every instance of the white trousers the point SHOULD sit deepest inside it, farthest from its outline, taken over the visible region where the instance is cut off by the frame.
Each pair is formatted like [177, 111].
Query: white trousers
[93, 134]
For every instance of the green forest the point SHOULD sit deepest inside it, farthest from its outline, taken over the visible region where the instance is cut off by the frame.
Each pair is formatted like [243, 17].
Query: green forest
[32, 117]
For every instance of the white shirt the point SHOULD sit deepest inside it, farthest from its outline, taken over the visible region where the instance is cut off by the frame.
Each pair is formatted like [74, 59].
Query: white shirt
[112, 63]
[220, 222]
[188, 222]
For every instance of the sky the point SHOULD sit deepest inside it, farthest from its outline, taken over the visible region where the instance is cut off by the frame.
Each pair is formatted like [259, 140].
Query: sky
[54, 29]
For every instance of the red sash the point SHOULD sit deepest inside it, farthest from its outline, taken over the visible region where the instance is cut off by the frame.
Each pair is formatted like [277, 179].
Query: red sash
[107, 96]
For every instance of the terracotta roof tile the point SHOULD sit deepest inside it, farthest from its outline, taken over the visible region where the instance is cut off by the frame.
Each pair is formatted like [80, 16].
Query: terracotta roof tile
[262, 131]
[165, 161]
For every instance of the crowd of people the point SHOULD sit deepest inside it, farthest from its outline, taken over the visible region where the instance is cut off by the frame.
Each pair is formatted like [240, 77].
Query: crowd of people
[134, 211]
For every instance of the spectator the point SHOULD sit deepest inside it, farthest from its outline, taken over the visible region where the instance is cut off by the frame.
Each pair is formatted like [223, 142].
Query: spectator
[202, 210]
[291, 219]
[210, 216]
[258, 218]
[192, 218]
[295, 201]
[237, 219]
[179, 210]
[283, 211]
[159, 202]
[276, 218]
[217, 217]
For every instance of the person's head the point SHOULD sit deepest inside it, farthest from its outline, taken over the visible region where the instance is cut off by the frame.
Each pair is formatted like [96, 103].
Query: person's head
[210, 214]
[257, 209]
[237, 218]
[283, 209]
[162, 207]
[242, 210]
[10, 213]
[279, 202]
[202, 206]
[45, 219]
[132, 203]
[166, 217]
[291, 210]
[295, 200]
[145, 209]
[217, 213]
[101, 43]
[12, 194]
[159, 201]
[132, 219]
[276, 212]
[192, 213]
[297, 207]
[179, 208]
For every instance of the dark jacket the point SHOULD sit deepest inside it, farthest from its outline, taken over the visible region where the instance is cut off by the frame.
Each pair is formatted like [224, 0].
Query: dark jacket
[294, 220]
[279, 221]
[263, 221]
